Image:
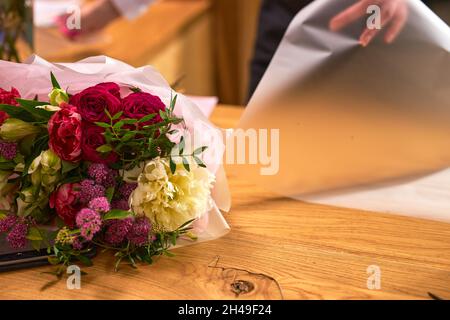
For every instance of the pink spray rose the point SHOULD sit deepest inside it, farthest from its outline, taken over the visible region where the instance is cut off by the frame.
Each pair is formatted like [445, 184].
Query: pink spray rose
[92, 139]
[66, 203]
[8, 97]
[140, 104]
[64, 130]
[92, 102]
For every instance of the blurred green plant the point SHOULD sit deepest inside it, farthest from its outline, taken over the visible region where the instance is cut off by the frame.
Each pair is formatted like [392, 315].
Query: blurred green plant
[16, 23]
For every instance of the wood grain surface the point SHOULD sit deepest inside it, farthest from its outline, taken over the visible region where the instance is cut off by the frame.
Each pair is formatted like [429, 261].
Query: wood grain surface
[277, 248]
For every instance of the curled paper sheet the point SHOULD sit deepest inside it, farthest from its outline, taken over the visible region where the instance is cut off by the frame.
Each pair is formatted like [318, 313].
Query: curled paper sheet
[32, 78]
[360, 127]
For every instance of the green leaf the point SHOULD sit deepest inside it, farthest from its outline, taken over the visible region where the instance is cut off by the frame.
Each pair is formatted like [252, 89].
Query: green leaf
[53, 260]
[34, 234]
[108, 114]
[103, 124]
[117, 115]
[85, 260]
[104, 148]
[181, 145]
[168, 253]
[174, 239]
[147, 118]
[7, 165]
[117, 214]
[186, 224]
[54, 81]
[173, 102]
[110, 193]
[135, 89]
[36, 244]
[173, 166]
[38, 114]
[17, 113]
[186, 164]
[199, 162]
[200, 150]
[68, 166]
[128, 136]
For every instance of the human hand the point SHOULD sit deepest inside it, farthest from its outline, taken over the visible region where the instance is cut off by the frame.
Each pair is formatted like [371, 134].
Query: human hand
[96, 15]
[394, 14]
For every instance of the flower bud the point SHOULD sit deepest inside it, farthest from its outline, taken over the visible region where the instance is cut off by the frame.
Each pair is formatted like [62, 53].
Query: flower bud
[58, 96]
[15, 130]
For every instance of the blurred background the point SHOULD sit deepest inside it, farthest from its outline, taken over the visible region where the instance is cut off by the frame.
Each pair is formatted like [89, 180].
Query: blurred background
[203, 46]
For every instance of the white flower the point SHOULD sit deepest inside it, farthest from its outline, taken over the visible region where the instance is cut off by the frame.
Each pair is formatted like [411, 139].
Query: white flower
[169, 200]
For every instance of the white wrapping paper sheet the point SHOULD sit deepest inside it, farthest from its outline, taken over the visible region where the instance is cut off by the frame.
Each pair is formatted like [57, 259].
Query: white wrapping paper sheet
[360, 127]
[33, 78]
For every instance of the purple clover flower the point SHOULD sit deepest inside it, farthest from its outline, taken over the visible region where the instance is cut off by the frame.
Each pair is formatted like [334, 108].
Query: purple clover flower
[121, 204]
[102, 174]
[139, 233]
[117, 230]
[7, 223]
[90, 190]
[127, 189]
[100, 204]
[89, 222]
[17, 237]
[8, 150]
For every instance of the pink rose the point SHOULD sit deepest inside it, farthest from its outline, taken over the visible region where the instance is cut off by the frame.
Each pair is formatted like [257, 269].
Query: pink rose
[92, 102]
[66, 203]
[64, 130]
[140, 104]
[92, 139]
[8, 97]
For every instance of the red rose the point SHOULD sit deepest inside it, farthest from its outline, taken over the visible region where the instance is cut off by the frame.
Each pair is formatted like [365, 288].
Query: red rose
[8, 97]
[111, 87]
[92, 139]
[140, 104]
[64, 130]
[65, 201]
[92, 102]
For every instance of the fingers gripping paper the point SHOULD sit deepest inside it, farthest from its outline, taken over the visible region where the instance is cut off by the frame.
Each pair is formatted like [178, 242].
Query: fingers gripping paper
[360, 127]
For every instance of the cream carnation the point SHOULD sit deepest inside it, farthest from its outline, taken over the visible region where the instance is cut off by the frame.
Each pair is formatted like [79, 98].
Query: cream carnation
[169, 200]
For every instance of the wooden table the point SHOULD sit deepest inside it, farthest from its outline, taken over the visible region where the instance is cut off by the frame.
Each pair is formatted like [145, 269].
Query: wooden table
[311, 251]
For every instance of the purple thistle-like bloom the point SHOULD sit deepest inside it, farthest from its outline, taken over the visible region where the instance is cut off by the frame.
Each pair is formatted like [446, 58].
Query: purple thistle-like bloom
[8, 150]
[139, 233]
[117, 230]
[121, 204]
[17, 237]
[127, 189]
[89, 222]
[90, 190]
[102, 174]
[7, 223]
[100, 204]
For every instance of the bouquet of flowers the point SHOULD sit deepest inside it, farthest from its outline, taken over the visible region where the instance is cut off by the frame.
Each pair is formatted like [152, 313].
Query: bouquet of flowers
[108, 165]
